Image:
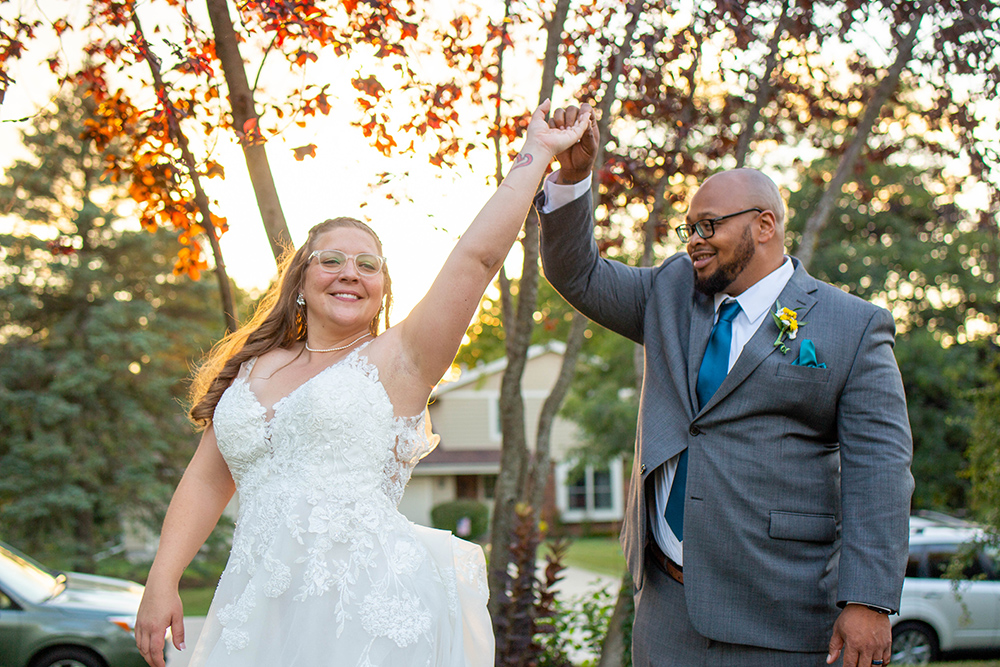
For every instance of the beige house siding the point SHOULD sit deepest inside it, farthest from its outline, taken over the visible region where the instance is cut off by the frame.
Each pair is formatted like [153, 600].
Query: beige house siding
[467, 418]
[465, 413]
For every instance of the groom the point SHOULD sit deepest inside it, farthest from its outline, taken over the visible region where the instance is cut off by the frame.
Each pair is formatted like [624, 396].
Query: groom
[767, 519]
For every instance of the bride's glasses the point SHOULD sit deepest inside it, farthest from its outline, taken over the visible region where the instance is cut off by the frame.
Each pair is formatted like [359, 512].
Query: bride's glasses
[334, 261]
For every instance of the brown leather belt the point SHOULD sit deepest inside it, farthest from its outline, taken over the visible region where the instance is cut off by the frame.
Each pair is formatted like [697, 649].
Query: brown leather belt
[667, 566]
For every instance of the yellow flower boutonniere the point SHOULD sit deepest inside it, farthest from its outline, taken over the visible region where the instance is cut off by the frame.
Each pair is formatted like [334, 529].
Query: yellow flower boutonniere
[788, 325]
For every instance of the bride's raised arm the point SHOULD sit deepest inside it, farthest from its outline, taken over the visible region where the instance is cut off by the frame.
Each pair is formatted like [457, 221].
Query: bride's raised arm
[431, 334]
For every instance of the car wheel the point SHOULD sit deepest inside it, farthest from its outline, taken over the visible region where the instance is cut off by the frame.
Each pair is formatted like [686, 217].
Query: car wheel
[913, 643]
[68, 657]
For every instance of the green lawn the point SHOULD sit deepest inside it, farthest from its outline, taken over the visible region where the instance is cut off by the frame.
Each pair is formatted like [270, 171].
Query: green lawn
[967, 663]
[197, 600]
[597, 554]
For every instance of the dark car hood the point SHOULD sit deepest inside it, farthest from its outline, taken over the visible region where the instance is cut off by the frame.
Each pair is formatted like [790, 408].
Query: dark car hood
[98, 594]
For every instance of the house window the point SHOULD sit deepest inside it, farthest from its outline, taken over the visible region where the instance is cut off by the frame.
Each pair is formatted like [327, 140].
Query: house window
[467, 487]
[489, 486]
[589, 493]
[602, 489]
[576, 487]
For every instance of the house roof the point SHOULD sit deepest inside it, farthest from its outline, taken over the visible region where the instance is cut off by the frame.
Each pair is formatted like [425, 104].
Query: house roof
[444, 461]
[473, 375]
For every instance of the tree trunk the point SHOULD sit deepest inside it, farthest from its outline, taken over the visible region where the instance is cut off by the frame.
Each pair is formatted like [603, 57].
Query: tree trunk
[200, 198]
[241, 100]
[514, 455]
[541, 464]
[513, 444]
[824, 209]
[613, 648]
[763, 93]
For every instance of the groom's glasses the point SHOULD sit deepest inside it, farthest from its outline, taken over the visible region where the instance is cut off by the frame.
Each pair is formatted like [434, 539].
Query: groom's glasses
[334, 261]
[705, 227]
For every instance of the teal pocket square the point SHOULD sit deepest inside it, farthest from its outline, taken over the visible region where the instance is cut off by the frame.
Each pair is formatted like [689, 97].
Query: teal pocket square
[807, 355]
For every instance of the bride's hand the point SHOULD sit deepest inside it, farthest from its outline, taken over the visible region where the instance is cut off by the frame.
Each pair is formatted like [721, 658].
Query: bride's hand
[552, 139]
[158, 611]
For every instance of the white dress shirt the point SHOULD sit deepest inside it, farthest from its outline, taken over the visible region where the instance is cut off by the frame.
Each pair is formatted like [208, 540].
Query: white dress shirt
[557, 196]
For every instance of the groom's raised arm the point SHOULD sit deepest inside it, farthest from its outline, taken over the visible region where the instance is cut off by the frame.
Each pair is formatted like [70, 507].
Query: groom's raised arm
[608, 292]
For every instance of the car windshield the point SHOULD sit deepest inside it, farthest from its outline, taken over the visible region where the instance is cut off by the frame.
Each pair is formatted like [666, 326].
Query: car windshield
[26, 579]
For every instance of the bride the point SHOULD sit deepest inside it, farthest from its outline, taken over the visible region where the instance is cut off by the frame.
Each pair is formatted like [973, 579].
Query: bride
[317, 419]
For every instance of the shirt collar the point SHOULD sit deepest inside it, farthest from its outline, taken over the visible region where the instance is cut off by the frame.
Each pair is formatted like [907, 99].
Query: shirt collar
[759, 297]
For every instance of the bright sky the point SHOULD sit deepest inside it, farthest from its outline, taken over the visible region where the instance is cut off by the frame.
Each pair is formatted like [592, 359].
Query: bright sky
[431, 207]
[417, 233]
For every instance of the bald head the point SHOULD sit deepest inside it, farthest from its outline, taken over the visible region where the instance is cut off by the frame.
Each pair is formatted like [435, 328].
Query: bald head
[751, 189]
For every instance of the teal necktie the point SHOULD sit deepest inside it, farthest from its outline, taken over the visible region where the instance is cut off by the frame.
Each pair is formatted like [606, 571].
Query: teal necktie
[714, 368]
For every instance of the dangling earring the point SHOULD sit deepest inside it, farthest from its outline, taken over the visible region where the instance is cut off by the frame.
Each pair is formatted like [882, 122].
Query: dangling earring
[301, 300]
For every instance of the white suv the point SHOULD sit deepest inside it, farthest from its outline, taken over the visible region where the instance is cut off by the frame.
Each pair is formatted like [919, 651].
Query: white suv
[940, 614]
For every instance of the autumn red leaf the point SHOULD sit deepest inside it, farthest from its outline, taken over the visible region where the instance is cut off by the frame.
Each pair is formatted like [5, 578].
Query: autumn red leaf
[214, 170]
[61, 246]
[369, 86]
[250, 135]
[302, 57]
[302, 152]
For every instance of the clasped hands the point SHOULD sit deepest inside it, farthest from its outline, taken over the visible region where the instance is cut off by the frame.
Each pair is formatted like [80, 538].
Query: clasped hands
[577, 161]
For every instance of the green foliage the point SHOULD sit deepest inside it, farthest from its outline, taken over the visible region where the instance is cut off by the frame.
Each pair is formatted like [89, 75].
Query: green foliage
[896, 243]
[984, 450]
[97, 337]
[938, 382]
[603, 400]
[447, 515]
[203, 572]
[524, 601]
[579, 624]
[487, 336]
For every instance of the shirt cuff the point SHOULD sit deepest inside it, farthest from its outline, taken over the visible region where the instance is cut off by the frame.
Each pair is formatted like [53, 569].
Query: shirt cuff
[558, 195]
[873, 607]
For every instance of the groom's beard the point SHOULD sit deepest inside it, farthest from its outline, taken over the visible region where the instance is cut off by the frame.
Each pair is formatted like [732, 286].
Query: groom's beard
[727, 273]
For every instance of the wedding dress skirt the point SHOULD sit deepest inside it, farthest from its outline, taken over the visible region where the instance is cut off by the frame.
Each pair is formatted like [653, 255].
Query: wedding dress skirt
[324, 570]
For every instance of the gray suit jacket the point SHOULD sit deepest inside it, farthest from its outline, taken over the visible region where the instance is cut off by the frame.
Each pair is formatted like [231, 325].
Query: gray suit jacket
[798, 477]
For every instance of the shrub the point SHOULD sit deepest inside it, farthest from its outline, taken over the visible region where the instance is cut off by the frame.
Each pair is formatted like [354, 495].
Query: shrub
[577, 627]
[447, 516]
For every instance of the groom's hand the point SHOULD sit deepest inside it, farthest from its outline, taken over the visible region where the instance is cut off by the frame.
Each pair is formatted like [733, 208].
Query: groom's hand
[864, 636]
[577, 161]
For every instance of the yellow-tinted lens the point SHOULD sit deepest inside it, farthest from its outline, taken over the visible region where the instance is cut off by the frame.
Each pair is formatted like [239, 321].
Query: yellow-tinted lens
[332, 261]
[368, 264]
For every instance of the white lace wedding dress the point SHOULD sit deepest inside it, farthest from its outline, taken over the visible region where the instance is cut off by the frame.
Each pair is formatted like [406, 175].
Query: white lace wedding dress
[324, 570]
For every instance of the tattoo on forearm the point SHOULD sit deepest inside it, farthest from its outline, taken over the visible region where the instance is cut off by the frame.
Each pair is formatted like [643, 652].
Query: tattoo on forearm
[522, 160]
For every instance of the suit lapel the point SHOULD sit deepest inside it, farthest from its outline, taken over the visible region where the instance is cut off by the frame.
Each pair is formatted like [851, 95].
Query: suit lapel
[797, 295]
[702, 319]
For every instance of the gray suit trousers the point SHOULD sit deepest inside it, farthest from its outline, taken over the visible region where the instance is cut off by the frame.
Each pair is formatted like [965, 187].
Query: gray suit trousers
[663, 636]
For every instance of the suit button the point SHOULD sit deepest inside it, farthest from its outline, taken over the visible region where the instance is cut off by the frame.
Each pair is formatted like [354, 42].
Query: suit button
[642, 469]
[694, 430]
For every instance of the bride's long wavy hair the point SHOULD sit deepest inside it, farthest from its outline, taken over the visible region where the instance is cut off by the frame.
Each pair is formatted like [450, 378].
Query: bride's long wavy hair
[278, 322]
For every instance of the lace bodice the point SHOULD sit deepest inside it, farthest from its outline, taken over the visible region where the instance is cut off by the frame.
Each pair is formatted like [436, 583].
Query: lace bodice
[338, 427]
[319, 484]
